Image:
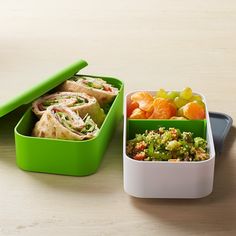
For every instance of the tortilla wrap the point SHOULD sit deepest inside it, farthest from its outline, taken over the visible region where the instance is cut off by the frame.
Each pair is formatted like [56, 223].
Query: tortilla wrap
[60, 122]
[78, 102]
[104, 93]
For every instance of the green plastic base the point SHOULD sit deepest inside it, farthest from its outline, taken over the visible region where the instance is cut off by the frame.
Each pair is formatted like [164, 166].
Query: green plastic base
[66, 157]
[197, 127]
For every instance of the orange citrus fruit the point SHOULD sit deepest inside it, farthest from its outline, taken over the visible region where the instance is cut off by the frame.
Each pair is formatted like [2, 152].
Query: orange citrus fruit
[138, 114]
[163, 109]
[131, 106]
[144, 100]
[194, 111]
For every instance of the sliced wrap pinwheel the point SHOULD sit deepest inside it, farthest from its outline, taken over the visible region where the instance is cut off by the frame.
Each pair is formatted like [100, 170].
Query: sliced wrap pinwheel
[60, 122]
[104, 92]
[78, 102]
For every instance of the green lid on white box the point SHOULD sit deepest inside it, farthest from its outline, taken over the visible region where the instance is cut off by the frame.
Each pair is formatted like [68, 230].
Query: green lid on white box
[24, 89]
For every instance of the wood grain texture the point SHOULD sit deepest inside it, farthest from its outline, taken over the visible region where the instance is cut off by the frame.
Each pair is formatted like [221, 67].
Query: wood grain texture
[147, 44]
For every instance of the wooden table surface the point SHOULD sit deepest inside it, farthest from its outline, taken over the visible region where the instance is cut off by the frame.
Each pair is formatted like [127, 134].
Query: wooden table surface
[149, 45]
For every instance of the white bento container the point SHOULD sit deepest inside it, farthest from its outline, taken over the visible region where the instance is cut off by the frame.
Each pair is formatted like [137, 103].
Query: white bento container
[159, 179]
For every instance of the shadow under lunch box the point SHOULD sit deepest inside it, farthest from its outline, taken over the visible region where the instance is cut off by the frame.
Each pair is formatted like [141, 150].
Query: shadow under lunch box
[67, 157]
[163, 179]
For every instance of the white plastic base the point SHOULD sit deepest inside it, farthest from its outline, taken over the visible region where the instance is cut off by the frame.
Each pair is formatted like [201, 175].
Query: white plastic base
[159, 179]
[168, 180]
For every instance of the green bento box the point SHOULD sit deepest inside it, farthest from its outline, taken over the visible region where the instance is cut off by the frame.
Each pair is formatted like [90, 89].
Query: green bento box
[66, 157]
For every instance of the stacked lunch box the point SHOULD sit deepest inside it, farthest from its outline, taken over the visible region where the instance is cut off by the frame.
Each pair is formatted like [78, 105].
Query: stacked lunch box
[154, 179]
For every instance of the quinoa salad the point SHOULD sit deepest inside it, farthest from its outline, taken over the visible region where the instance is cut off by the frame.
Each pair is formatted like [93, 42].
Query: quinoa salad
[167, 145]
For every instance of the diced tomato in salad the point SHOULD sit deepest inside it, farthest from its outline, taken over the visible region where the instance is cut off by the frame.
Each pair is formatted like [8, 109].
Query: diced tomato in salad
[140, 156]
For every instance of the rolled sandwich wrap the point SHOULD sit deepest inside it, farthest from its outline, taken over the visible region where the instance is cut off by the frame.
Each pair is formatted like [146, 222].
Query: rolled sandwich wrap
[60, 122]
[96, 87]
[78, 102]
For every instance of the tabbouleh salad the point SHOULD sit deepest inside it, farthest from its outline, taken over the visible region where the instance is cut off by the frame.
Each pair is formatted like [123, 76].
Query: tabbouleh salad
[167, 145]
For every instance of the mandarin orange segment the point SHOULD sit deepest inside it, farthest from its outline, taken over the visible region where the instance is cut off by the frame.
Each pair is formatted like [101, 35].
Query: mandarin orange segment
[138, 114]
[163, 109]
[173, 108]
[194, 111]
[131, 106]
[144, 99]
[148, 114]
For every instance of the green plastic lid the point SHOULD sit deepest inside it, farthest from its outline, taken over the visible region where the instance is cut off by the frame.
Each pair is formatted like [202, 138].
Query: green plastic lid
[23, 90]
